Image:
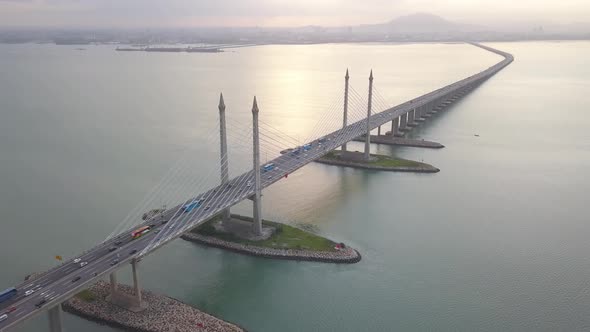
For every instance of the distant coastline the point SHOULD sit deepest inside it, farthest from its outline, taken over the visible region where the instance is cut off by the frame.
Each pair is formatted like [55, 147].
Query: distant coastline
[171, 49]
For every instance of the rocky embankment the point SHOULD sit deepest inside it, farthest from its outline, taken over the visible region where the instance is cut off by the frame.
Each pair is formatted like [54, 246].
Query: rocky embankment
[163, 314]
[345, 255]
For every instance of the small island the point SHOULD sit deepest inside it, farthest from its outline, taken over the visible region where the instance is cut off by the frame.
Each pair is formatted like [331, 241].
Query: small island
[283, 241]
[376, 162]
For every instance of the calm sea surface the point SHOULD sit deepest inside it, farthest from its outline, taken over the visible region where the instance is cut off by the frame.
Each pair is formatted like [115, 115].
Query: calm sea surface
[497, 241]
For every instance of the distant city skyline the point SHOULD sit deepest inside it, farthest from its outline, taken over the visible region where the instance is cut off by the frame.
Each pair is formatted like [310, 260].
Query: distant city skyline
[280, 13]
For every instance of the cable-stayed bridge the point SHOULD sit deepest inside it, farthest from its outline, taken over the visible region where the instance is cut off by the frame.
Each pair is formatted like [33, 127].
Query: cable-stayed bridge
[46, 291]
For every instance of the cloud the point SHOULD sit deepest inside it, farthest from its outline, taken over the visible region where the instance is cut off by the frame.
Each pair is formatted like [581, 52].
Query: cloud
[148, 13]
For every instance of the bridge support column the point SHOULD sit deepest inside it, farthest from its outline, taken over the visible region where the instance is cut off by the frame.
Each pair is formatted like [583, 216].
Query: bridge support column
[55, 321]
[224, 160]
[113, 279]
[345, 116]
[368, 133]
[379, 131]
[403, 122]
[411, 122]
[123, 299]
[431, 108]
[136, 288]
[420, 112]
[395, 127]
[257, 218]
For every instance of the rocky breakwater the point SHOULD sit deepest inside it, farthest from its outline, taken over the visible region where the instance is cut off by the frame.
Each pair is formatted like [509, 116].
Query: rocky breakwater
[344, 254]
[163, 314]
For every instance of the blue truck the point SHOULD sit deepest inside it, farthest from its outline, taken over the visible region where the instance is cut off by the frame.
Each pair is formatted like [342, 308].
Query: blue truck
[7, 294]
[192, 205]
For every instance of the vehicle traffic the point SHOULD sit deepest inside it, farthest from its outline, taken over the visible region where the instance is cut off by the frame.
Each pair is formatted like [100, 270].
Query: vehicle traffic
[40, 303]
[76, 279]
[11, 309]
[29, 292]
[139, 232]
[7, 294]
[268, 167]
[3, 317]
[191, 206]
[83, 264]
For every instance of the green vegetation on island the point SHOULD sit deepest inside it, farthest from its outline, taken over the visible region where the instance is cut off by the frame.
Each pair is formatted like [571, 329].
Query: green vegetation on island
[86, 296]
[381, 160]
[284, 236]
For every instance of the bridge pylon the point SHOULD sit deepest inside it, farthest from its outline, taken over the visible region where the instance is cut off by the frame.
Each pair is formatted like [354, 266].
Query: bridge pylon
[224, 158]
[369, 108]
[257, 218]
[345, 116]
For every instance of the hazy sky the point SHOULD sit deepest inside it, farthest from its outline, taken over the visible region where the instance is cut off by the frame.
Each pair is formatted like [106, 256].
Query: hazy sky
[158, 13]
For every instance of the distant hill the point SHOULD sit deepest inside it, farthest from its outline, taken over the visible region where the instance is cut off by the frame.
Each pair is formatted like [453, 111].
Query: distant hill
[419, 23]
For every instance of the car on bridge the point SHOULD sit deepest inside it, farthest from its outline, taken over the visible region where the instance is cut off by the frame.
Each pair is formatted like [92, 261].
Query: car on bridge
[76, 279]
[40, 303]
[11, 309]
[307, 147]
[268, 167]
[3, 317]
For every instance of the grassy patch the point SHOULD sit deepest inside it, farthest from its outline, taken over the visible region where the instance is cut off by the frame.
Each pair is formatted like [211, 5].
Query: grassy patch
[86, 295]
[381, 160]
[285, 237]
[395, 162]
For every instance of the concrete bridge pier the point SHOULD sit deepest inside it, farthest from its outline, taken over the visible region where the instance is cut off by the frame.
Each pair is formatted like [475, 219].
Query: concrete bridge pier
[403, 121]
[411, 118]
[257, 213]
[55, 320]
[367, 156]
[420, 112]
[113, 280]
[433, 108]
[124, 300]
[379, 131]
[136, 288]
[224, 160]
[395, 127]
[345, 117]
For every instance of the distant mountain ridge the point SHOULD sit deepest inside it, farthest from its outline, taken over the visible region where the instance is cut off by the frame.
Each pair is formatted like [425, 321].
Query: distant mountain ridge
[419, 23]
